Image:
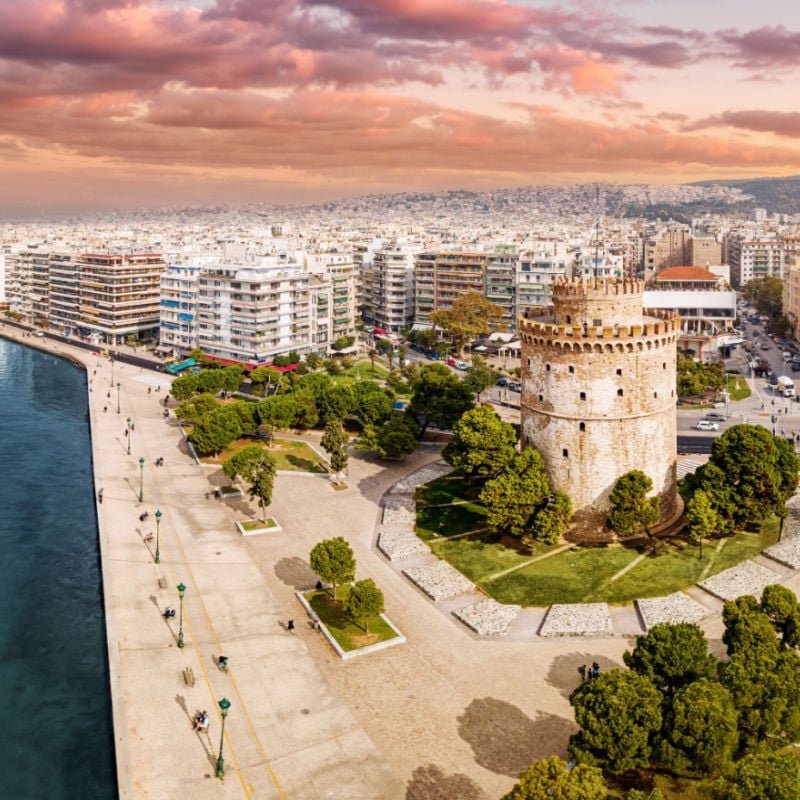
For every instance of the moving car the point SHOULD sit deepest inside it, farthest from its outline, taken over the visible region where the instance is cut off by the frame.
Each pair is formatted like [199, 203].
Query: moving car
[713, 416]
[706, 425]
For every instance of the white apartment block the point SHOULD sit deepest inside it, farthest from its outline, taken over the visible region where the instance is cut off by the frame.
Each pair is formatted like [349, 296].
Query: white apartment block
[535, 272]
[751, 259]
[389, 304]
[336, 287]
[178, 307]
[250, 313]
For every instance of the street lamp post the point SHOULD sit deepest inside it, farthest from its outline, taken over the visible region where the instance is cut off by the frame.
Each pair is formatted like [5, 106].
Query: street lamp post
[112, 369]
[158, 527]
[181, 590]
[141, 479]
[224, 705]
[129, 435]
[117, 397]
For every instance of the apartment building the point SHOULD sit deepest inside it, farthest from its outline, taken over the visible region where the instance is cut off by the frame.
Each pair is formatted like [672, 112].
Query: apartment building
[178, 312]
[389, 297]
[791, 294]
[536, 271]
[703, 251]
[751, 258]
[249, 313]
[667, 248]
[336, 285]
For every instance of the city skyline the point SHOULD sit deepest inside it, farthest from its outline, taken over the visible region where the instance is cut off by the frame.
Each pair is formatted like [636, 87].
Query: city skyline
[125, 103]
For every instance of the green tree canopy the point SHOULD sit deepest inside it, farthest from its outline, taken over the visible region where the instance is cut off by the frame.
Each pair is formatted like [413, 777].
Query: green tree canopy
[482, 443]
[671, 656]
[305, 408]
[215, 430]
[439, 397]
[184, 387]
[782, 609]
[767, 294]
[334, 442]
[762, 776]
[514, 496]
[195, 407]
[232, 377]
[470, 315]
[333, 561]
[257, 467]
[702, 517]
[364, 601]
[700, 729]
[396, 439]
[372, 403]
[551, 522]
[549, 779]
[631, 509]
[276, 413]
[619, 714]
[480, 376]
[211, 380]
[314, 360]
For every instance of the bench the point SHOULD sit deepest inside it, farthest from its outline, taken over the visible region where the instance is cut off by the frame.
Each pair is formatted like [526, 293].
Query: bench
[188, 676]
[162, 582]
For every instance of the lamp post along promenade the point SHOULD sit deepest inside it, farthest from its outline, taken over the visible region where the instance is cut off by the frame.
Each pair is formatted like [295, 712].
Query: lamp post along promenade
[141, 479]
[129, 435]
[224, 705]
[158, 530]
[181, 590]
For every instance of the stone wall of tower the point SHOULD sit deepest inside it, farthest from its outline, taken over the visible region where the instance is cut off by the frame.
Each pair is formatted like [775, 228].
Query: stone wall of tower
[599, 400]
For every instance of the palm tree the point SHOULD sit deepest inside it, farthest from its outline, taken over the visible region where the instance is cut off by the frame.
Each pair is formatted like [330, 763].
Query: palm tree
[373, 354]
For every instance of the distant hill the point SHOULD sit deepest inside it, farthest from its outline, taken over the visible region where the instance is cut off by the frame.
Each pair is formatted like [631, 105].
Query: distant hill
[777, 195]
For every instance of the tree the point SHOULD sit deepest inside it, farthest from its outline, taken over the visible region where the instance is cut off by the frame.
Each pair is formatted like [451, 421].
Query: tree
[470, 315]
[211, 380]
[402, 354]
[195, 407]
[232, 377]
[631, 508]
[305, 408]
[257, 467]
[480, 376]
[373, 354]
[619, 714]
[333, 561]
[396, 439]
[762, 776]
[550, 523]
[343, 342]
[703, 518]
[184, 387]
[759, 468]
[334, 442]
[216, 430]
[781, 607]
[364, 601]
[482, 443]
[314, 360]
[512, 498]
[549, 779]
[276, 413]
[671, 656]
[439, 397]
[372, 403]
[767, 294]
[700, 729]
[269, 376]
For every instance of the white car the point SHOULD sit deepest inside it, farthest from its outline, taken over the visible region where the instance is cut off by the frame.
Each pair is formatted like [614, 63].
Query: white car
[706, 425]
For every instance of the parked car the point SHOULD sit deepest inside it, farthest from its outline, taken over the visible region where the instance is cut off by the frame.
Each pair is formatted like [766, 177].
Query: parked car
[764, 346]
[714, 416]
[502, 381]
[705, 425]
[462, 365]
[451, 362]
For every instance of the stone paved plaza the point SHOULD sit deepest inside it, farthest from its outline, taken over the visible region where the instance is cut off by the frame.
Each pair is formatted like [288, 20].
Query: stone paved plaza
[673, 608]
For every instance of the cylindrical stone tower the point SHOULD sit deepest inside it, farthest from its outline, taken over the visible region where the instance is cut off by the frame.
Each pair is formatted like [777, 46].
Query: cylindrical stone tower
[598, 394]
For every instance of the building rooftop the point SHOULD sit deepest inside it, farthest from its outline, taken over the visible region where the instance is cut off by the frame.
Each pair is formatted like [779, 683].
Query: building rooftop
[685, 274]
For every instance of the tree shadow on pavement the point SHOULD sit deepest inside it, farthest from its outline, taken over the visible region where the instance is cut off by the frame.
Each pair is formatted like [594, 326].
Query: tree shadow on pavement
[430, 783]
[507, 741]
[296, 573]
[564, 675]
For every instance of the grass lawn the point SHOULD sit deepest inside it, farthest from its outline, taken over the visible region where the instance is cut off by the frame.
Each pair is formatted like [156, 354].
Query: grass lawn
[289, 454]
[583, 574]
[738, 387]
[349, 635]
[258, 524]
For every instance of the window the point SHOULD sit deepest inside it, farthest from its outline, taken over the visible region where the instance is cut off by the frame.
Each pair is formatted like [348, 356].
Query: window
[546, 366]
[597, 322]
[619, 372]
[664, 365]
[582, 427]
[565, 453]
[655, 394]
[541, 398]
[572, 370]
[619, 393]
[583, 395]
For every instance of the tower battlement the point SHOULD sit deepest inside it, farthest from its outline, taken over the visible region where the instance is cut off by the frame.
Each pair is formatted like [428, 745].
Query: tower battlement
[657, 322]
[595, 289]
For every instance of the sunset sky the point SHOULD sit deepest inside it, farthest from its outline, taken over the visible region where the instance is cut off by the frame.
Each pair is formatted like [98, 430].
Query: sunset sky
[120, 103]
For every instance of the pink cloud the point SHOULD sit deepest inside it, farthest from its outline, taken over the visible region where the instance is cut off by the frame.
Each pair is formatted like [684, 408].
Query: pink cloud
[781, 123]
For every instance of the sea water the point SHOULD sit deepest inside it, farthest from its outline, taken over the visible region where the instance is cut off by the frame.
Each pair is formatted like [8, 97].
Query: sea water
[55, 709]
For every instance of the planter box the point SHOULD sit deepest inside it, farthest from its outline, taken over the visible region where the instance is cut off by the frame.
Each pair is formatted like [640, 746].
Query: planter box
[254, 527]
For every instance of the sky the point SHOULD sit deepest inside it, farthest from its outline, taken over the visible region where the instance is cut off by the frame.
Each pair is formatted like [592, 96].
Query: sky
[131, 103]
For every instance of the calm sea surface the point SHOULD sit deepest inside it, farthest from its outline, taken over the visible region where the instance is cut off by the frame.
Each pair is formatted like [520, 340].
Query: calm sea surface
[55, 709]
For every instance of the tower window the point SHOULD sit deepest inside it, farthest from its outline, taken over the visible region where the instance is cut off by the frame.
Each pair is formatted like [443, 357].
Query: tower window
[619, 372]
[597, 322]
[664, 365]
[583, 395]
[541, 398]
[565, 453]
[655, 394]
[619, 392]
[547, 367]
[572, 370]
[569, 320]
[582, 426]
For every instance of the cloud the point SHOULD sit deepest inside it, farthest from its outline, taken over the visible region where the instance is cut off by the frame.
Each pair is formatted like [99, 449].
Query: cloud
[767, 46]
[781, 123]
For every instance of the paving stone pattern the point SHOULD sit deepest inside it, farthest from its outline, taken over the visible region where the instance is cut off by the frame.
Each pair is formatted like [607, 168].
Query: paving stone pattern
[745, 578]
[400, 543]
[673, 608]
[426, 474]
[400, 511]
[488, 617]
[578, 619]
[438, 580]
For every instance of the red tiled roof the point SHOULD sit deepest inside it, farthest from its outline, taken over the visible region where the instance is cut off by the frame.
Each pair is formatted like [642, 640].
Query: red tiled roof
[685, 274]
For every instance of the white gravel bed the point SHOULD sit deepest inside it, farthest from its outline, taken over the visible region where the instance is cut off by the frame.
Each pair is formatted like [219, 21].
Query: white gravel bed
[787, 551]
[401, 511]
[438, 580]
[578, 619]
[745, 578]
[431, 472]
[488, 617]
[399, 543]
[673, 608]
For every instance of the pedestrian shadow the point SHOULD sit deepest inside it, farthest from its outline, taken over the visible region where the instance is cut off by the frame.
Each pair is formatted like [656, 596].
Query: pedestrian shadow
[203, 736]
[506, 741]
[429, 782]
[563, 673]
[147, 539]
[295, 572]
[134, 487]
[154, 600]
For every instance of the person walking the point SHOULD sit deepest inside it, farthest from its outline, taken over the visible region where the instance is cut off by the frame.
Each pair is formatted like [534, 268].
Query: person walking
[582, 672]
[595, 669]
[290, 626]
